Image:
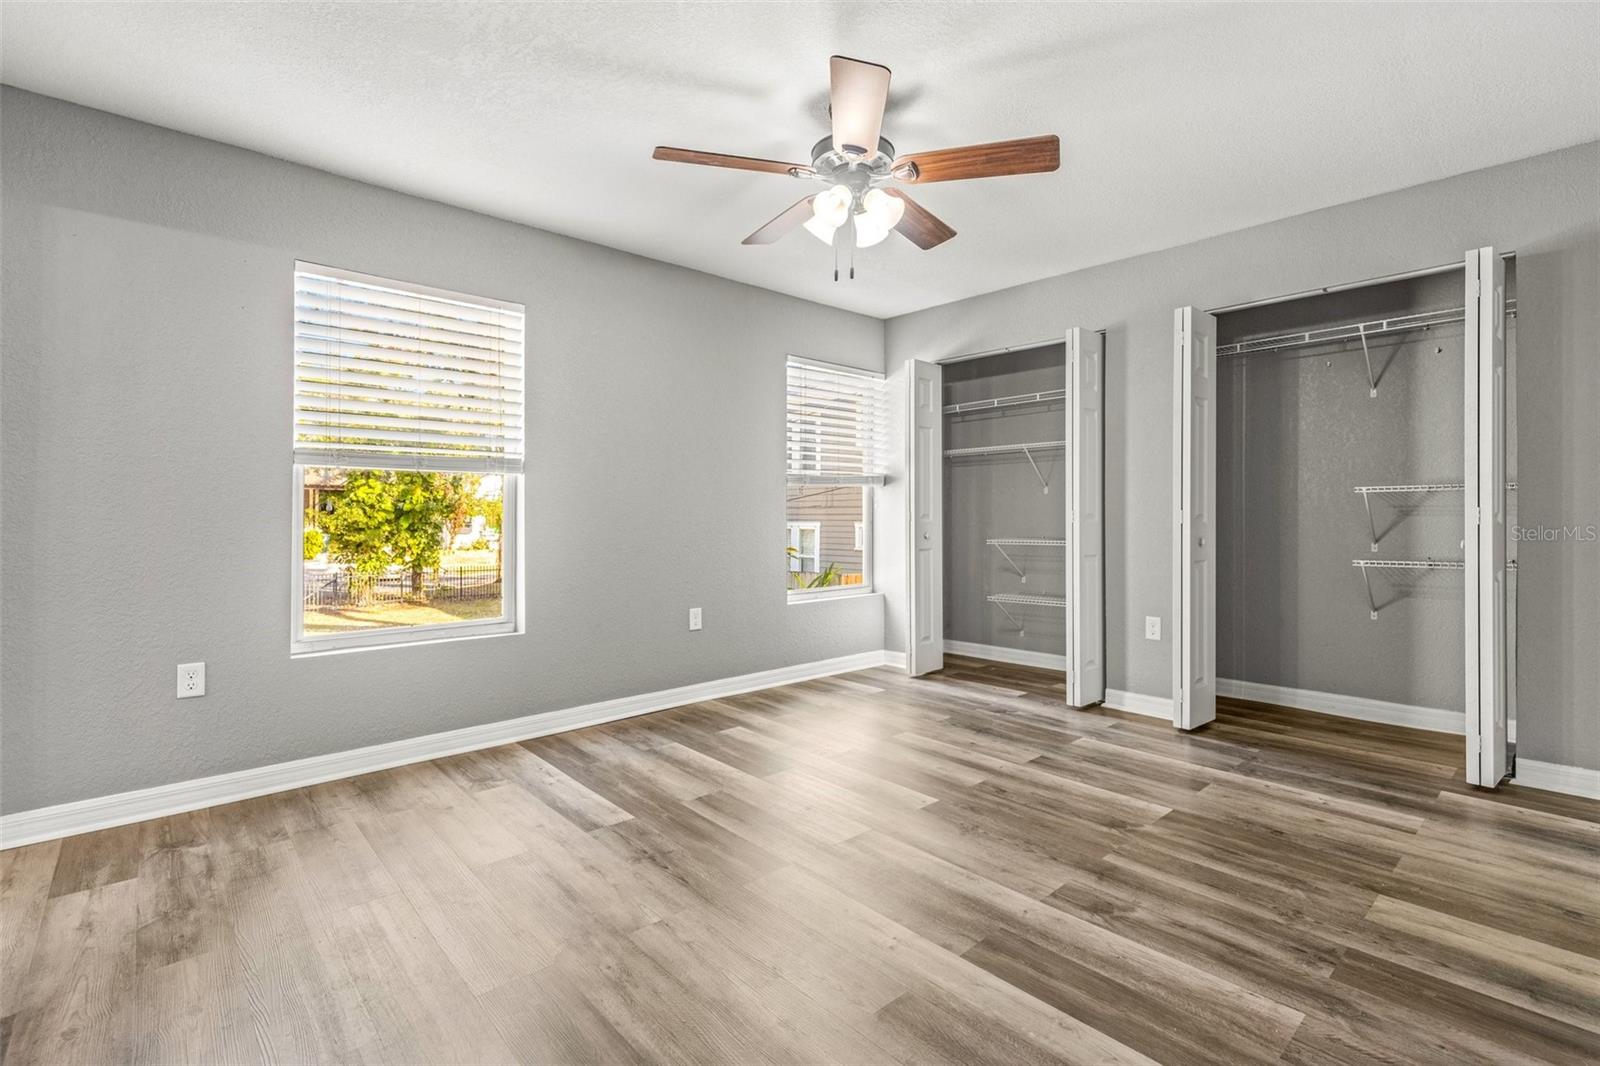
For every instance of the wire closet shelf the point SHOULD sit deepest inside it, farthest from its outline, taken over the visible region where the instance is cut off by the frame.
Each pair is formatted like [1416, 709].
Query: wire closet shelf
[1395, 490]
[1026, 449]
[1019, 400]
[1018, 599]
[1366, 492]
[1000, 544]
[1367, 565]
[1355, 331]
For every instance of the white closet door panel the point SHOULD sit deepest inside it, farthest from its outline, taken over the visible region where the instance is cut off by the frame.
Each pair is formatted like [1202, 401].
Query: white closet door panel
[1086, 678]
[1194, 490]
[1484, 532]
[925, 480]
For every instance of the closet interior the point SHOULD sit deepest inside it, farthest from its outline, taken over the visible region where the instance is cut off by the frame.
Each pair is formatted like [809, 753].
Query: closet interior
[1006, 474]
[1341, 442]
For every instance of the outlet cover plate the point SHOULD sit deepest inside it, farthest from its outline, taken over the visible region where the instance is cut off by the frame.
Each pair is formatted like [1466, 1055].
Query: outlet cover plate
[694, 619]
[191, 680]
[1152, 627]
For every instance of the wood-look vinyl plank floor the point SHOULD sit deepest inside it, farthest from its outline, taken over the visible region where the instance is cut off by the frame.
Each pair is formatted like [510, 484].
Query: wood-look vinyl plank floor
[860, 869]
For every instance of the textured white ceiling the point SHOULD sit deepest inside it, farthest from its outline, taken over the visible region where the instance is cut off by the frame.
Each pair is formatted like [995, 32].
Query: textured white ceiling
[1177, 122]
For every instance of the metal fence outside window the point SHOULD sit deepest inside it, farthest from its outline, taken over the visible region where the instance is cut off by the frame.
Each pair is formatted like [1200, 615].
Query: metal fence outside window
[341, 588]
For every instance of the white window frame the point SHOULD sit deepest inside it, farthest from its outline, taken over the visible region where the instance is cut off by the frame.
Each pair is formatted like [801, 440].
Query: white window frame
[861, 532]
[512, 619]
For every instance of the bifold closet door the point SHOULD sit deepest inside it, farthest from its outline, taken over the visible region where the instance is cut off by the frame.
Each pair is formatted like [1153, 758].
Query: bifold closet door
[925, 489]
[1086, 637]
[1484, 532]
[1194, 506]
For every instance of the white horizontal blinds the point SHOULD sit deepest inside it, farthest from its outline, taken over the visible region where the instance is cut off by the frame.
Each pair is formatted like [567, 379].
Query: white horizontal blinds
[400, 377]
[837, 425]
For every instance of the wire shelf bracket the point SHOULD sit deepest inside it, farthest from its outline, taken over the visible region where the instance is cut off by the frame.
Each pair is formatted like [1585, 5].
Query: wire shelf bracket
[1001, 449]
[1000, 544]
[1366, 353]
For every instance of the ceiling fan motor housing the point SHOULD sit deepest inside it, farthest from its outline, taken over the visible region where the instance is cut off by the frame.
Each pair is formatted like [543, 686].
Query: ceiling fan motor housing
[857, 172]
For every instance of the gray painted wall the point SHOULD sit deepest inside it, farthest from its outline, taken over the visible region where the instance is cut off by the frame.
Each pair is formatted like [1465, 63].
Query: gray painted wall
[1297, 430]
[999, 496]
[1546, 208]
[146, 463]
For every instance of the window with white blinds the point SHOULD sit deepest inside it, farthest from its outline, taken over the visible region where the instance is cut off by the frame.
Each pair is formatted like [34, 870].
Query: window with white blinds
[396, 376]
[837, 425]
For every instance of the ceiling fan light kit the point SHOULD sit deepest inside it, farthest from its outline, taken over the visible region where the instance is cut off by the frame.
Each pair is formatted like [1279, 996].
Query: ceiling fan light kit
[856, 209]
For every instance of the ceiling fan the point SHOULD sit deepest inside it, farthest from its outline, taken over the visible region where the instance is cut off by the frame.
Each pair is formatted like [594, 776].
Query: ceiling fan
[862, 201]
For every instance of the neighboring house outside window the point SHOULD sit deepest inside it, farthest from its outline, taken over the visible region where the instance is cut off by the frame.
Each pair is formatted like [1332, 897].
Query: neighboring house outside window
[805, 540]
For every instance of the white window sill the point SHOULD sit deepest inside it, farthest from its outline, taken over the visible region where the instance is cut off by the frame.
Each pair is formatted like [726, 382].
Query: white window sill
[831, 597]
[311, 649]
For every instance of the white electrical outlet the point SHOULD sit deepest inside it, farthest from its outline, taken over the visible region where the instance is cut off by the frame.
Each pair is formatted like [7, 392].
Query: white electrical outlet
[1152, 627]
[191, 680]
[694, 619]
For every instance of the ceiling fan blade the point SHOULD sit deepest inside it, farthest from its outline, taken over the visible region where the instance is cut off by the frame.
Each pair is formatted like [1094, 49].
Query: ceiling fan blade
[791, 219]
[733, 162]
[1031, 155]
[857, 94]
[921, 226]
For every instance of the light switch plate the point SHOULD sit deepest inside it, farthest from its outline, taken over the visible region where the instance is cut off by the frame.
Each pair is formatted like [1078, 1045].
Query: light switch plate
[191, 680]
[1152, 627]
[694, 619]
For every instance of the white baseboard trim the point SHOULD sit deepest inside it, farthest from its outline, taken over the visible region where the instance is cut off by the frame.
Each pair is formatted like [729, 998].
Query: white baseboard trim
[1018, 656]
[896, 659]
[1139, 703]
[1554, 777]
[84, 816]
[1434, 719]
